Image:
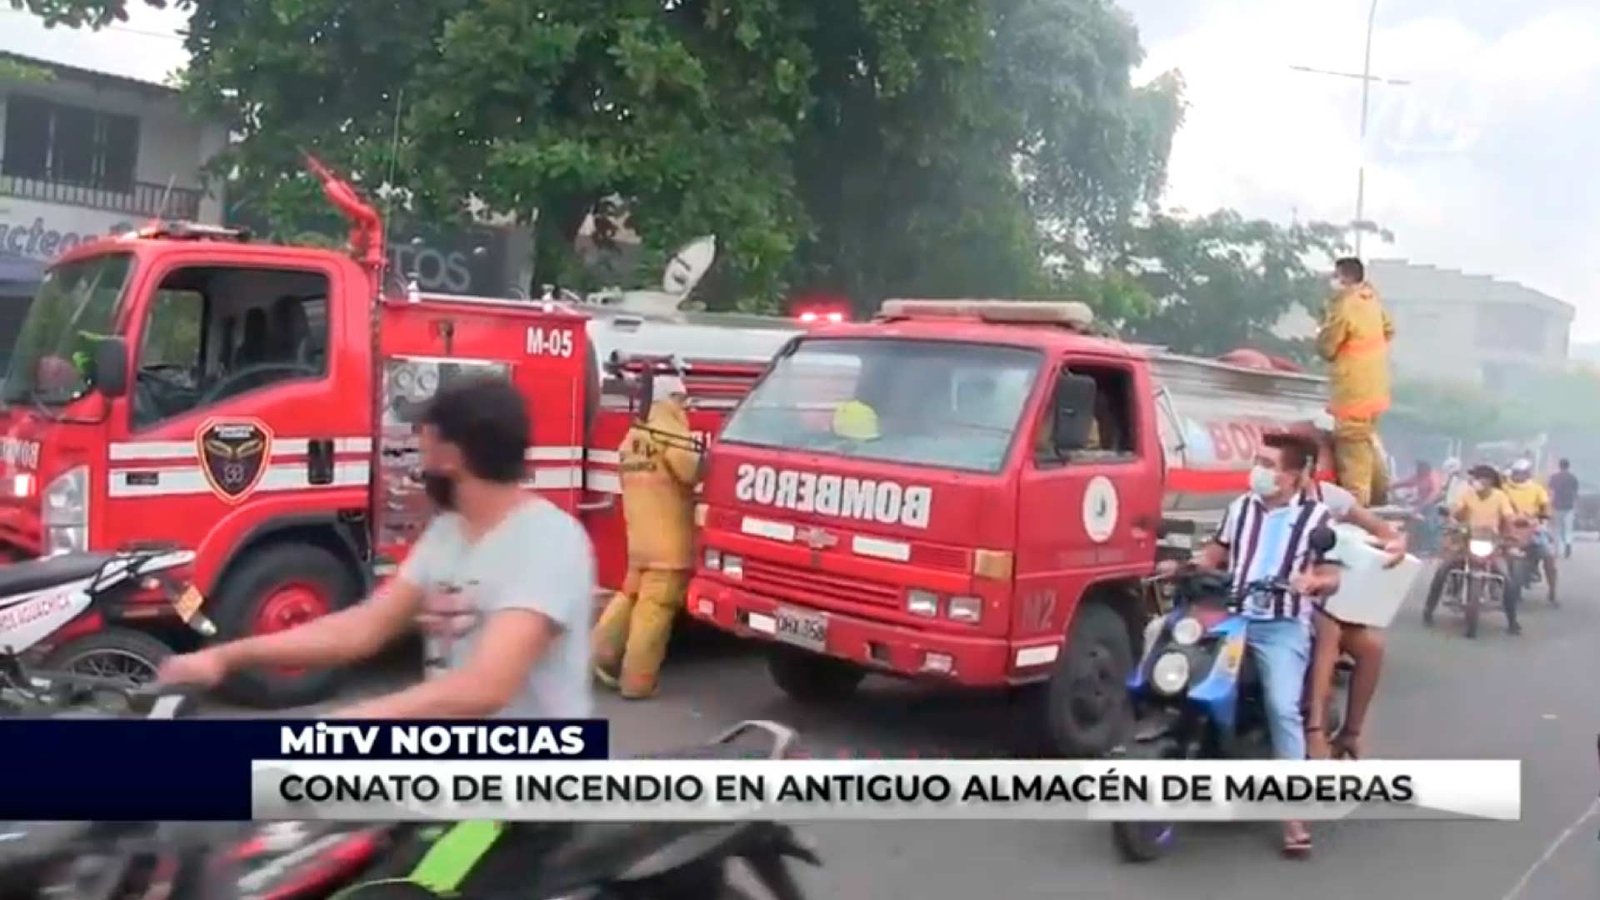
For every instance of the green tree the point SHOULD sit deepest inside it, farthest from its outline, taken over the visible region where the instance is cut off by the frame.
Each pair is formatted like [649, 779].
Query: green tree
[930, 147]
[1218, 282]
[1459, 411]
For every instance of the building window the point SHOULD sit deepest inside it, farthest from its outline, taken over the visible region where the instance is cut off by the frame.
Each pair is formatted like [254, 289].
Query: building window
[75, 145]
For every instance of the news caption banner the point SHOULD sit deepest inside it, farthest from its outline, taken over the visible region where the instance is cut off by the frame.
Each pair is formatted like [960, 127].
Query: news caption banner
[237, 770]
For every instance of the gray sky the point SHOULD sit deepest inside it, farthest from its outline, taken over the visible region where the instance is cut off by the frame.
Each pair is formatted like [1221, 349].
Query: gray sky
[1485, 162]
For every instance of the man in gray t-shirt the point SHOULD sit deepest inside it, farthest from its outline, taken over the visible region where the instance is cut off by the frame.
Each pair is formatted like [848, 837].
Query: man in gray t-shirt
[500, 582]
[537, 559]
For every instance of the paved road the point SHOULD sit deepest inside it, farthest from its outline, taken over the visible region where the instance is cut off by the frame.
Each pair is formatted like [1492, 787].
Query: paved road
[1531, 698]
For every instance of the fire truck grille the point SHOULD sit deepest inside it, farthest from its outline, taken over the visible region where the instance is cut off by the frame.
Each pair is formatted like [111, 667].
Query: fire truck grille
[802, 585]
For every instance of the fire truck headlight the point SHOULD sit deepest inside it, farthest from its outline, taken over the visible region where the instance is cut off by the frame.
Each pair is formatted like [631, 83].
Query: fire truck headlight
[922, 603]
[713, 560]
[732, 566]
[966, 609]
[66, 512]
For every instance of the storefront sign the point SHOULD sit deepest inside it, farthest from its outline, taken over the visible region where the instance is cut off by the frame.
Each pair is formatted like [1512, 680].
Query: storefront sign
[44, 230]
[446, 260]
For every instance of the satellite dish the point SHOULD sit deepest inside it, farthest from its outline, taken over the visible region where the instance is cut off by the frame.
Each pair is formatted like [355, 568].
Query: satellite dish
[688, 265]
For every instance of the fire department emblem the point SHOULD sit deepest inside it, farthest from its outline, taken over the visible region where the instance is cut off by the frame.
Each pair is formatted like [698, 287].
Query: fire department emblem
[233, 456]
[816, 538]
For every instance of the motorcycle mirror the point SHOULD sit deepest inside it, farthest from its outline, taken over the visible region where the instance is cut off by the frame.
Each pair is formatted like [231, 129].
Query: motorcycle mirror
[1322, 539]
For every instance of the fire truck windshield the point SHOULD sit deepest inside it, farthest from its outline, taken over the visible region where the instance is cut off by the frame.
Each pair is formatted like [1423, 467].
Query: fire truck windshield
[931, 403]
[75, 305]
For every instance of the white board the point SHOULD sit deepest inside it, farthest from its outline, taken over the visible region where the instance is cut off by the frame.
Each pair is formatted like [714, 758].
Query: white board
[1368, 593]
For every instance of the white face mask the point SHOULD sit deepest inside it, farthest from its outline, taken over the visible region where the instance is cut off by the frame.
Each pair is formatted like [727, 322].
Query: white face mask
[1263, 481]
[1336, 284]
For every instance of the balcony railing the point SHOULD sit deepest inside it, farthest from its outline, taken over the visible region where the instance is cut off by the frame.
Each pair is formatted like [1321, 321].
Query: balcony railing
[142, 200]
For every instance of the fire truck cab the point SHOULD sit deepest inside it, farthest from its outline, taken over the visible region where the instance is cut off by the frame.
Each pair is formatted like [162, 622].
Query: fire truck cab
[970, 492]
[257, 403]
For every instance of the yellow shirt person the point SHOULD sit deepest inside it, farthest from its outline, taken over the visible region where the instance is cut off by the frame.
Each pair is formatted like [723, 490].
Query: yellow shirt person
[1485, 512]
[1528, 497]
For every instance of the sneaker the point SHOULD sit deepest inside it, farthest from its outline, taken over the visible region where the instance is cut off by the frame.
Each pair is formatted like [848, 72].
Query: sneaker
[1515, 629]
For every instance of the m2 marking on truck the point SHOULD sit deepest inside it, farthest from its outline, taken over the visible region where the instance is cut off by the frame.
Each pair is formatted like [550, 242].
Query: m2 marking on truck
[1038, 610]
[866, 499]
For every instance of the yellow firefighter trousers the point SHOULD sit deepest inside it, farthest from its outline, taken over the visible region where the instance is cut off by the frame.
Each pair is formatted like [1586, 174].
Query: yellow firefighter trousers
[630, 639]
[1360, 470]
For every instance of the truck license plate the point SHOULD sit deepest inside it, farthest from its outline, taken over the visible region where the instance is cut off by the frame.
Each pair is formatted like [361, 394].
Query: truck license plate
[802, 628]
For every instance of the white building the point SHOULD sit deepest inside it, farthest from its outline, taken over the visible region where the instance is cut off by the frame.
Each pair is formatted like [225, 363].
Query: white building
[88, 153]
[1452, 326]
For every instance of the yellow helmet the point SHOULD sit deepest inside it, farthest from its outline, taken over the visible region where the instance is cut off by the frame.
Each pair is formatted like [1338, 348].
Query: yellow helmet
[855, 420]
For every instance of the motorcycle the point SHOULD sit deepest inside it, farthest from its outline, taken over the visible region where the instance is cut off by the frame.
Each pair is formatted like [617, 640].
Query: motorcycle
[320, 860]
[1525, 563]
[1198, 692]
[74, 611]
[1477, 575]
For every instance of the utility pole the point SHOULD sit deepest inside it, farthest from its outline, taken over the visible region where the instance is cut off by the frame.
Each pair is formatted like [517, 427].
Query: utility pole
[1366, 78]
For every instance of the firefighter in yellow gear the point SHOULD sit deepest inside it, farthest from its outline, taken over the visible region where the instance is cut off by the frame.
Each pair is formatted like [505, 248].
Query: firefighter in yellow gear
[1354, 339]
[659, 466]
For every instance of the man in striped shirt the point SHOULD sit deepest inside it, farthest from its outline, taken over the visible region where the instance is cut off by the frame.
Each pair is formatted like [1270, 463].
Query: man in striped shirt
[1266, 536]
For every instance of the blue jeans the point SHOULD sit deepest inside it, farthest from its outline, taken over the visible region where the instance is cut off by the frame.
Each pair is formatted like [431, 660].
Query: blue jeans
[1563, 527]
[1281, 649]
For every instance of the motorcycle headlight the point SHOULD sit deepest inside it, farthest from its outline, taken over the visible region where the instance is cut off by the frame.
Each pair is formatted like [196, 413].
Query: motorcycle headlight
[1480, 548]
[1170, 674]
[1187, 631]
[66, 512]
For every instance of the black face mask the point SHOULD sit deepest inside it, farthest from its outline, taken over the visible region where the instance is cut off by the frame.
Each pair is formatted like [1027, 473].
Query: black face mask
[440, 488]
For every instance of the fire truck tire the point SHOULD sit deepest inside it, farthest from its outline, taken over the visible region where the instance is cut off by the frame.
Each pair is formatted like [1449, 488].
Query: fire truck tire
[1086, 702]
[812, 677]
[243, 596]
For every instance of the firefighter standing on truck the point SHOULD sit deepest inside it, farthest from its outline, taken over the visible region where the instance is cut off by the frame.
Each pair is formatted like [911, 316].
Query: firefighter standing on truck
[659, 467]
[1354, 339]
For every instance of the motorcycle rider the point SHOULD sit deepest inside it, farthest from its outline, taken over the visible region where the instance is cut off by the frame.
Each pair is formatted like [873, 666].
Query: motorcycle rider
[1483, 509]
[1426, 490]
[660, 466]
[1354, 338]
[1266, 533]
[498, 582]
[1530, 500]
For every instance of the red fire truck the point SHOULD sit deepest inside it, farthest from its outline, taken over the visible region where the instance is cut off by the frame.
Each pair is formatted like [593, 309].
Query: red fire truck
[256, 403]
[892, 498]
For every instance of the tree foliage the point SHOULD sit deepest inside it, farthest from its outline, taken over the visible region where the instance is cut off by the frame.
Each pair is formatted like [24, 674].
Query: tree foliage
[1218, 282]
[878, 147]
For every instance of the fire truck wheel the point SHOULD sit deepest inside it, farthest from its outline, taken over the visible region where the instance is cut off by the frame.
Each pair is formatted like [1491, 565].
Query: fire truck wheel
[1087, 710]
[812, 677]
[274, 589]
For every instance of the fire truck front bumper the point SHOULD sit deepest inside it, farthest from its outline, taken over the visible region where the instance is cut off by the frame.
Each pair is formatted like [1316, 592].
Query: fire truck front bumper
[882, 647]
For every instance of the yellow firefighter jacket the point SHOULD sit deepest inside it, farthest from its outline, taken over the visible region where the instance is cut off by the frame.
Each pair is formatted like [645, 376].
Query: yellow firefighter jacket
[659, 471]
[1354, 339]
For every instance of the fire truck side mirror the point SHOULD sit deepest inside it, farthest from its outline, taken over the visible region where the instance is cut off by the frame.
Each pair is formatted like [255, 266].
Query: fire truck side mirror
[1074, 412]
[110, 362]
